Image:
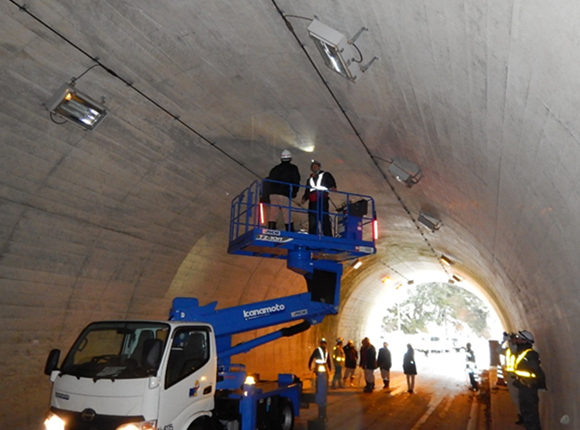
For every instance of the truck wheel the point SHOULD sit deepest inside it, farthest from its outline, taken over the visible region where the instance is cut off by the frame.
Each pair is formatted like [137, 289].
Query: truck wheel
[285, 415]
[203, 424]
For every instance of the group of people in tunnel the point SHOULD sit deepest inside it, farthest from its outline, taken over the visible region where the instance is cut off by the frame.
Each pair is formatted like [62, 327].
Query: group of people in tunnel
[278, 192]
[345, 358]
[522, 366]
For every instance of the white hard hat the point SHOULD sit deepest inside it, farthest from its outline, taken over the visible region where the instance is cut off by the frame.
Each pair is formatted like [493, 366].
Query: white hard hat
[286, 155]
[526, 335]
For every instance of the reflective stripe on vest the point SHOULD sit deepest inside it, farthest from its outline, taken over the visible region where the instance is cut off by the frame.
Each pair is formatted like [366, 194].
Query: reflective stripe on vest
[314, 186]
[523, 373]
[323, 356]
[510, 361]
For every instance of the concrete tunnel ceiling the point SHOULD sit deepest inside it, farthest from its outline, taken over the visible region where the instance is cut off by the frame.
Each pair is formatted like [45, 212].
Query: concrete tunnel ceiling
[202, 97]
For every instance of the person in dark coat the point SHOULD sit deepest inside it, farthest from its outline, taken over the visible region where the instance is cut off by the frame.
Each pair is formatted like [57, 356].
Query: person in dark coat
[350, 360]
[529, 378]
[320, 356]
[317, 188]
[279, 195]
[384, 363]
[368, 362]
[410, 368]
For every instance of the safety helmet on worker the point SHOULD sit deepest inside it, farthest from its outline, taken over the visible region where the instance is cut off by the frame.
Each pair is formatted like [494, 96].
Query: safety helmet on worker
[286, 155]
[526, 335]
[339, 340]
[323, 340]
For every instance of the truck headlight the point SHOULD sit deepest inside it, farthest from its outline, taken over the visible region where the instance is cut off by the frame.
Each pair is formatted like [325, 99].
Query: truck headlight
[53, 422]
[141, 425]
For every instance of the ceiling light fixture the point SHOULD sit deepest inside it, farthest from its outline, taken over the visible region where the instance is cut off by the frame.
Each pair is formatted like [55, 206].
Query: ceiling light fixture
[430, 222]
[446, 261]
[337, 51]
[405, 172]
[76, 107]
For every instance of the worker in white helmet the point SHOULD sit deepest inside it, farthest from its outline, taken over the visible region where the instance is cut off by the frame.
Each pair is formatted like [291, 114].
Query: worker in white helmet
[279, 190]
[529, 378]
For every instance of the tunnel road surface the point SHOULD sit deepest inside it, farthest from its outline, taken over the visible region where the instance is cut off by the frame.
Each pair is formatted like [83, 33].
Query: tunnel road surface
[442, 400]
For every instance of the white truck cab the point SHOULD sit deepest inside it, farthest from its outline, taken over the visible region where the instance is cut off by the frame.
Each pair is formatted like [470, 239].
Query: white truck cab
[129, 375]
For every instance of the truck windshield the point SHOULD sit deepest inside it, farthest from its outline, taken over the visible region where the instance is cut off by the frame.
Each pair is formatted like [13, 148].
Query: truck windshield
[117, 350]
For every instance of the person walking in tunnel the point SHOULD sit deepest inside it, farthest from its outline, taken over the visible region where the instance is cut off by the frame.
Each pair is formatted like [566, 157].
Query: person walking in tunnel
[280, 195]
[350, 361]
[317, 187]
[384, 362]
[320, 356]
[529, 378]
[368, 362]
[410, 368]
[338, 362]
[471, 367]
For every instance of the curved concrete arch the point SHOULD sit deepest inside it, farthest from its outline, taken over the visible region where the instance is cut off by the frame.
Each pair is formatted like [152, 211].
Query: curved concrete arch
[202, 96]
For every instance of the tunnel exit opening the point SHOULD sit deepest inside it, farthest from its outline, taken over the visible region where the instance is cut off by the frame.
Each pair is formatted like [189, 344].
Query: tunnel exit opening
[437, 318]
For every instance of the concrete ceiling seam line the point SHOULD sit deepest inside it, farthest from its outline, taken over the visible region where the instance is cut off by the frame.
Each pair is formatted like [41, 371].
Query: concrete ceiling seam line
[129, 84]
[354, 128]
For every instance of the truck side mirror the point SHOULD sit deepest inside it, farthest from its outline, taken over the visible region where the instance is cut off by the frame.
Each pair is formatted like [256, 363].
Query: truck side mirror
[52, 361]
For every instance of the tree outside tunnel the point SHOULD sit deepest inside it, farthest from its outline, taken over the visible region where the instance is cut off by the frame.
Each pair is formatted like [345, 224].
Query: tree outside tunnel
[454, 310]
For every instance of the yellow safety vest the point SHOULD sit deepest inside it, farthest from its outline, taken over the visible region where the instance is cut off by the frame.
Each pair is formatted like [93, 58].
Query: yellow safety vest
[521, 372]
[510, 361]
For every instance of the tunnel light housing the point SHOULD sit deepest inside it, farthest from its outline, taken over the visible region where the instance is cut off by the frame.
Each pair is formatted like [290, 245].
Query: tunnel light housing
[430, 222]
[336, 51]
[74, 106]
[446, 261]
[405, 172]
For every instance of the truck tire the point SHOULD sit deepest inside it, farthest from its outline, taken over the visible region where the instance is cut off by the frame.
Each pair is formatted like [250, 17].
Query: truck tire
[285, 419]
[204, 423]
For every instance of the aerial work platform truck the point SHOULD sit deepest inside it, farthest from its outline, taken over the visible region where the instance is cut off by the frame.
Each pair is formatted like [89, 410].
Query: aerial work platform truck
[177, 374]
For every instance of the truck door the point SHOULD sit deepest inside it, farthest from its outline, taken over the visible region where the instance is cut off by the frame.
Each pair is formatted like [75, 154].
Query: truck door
[190, 377]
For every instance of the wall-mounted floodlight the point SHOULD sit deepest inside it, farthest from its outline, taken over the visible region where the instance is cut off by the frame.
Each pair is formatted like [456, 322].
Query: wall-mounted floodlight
[457, 278]
[356, 264]
[76, 107]
[337, 51]
[430, 222]
[406, 172]
[446, 261]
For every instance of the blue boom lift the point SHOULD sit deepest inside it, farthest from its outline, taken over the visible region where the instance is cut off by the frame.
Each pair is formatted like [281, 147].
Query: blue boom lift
[178, 375]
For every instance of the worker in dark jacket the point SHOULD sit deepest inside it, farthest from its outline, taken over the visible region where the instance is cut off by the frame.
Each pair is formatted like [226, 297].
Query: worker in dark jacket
[317, 188]
[279, 192]
[384, 362]
[350, 362]
[368, 362]
[529, 378]
[320, 356]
